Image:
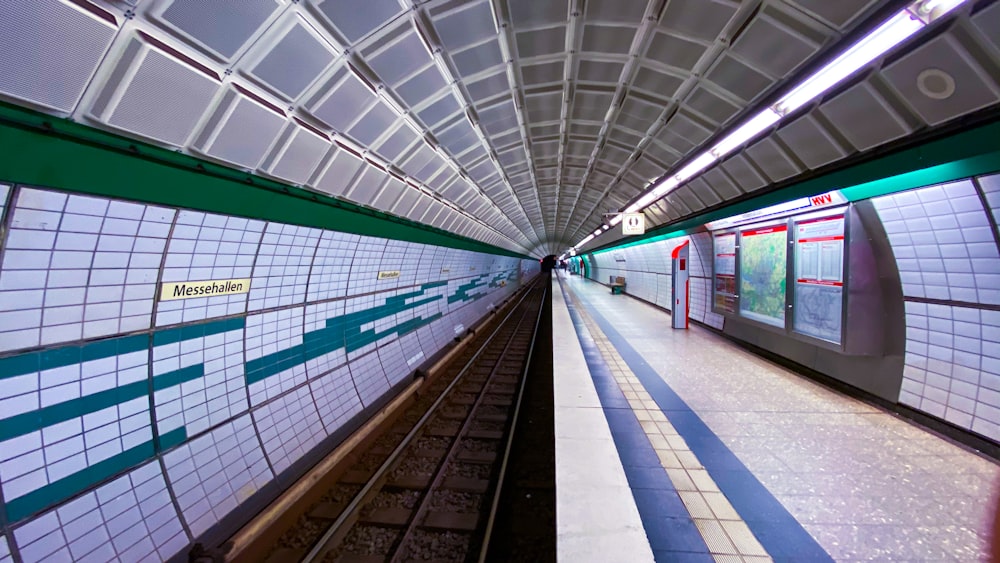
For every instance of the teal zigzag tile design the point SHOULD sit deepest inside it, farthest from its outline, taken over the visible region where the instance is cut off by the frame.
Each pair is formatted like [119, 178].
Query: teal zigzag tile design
[343, 331]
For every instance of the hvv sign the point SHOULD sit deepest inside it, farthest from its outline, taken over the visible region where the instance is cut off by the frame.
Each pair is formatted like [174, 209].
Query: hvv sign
[796, 205]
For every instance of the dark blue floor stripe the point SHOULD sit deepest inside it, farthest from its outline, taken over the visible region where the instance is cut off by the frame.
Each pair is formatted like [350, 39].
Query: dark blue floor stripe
[671, 532]
[779, 532]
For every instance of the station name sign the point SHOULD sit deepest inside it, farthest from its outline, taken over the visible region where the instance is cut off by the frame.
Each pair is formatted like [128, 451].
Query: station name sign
[388, 274]
[210, 288]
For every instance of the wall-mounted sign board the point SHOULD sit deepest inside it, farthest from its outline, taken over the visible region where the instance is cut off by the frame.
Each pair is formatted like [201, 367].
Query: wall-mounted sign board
[209, 288]
[388, 274]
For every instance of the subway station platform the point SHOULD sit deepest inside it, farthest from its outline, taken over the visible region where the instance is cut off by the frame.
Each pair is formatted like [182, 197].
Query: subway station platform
[678, 445]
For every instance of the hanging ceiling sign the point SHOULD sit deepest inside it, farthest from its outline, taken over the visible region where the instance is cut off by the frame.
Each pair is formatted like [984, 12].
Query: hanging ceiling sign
[633, 224]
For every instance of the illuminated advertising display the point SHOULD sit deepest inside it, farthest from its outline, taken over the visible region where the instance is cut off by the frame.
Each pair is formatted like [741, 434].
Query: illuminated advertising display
[763, 258]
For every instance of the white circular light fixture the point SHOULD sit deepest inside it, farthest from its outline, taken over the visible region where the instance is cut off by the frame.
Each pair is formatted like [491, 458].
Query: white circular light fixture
[936, 84]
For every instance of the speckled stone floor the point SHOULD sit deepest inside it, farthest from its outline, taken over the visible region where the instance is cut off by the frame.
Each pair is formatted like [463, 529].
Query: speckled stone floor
[864, 483]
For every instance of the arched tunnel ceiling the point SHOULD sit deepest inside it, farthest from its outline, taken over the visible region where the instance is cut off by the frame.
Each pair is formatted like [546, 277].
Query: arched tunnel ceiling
[515, 122]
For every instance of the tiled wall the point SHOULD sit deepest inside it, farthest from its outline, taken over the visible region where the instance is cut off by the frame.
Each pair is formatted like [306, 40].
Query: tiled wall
[647, 272]
[129, 426]
[949, 267]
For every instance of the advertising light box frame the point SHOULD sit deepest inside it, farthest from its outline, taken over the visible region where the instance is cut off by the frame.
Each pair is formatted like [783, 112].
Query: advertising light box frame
[789, 225]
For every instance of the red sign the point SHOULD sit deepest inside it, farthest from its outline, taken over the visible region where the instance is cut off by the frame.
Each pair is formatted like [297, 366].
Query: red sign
[766, 230]
[825, 199]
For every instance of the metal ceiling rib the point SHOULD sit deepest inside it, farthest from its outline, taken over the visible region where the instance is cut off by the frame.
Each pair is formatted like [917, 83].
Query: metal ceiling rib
[518, 122]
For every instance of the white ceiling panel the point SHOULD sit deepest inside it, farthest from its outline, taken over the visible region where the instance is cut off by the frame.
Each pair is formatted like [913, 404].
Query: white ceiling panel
[240, 130]
[534, 117]
[157, 94]
[51, 49]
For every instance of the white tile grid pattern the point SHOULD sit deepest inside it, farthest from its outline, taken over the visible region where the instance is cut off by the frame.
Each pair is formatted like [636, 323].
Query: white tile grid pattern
[129, 519]
[701, 272]
[944, 249]
[336, 398]
[204, 247]
[281, 271]
[208, 247]
[211, 475]
[413, 353]
[953, 365]
[943, 243]
[430, 265]
[369, 379]
[991, 189]
[78, 267]
[209, 400]
[393, 362]
[289, 427]
[354, 305]
[331, 266]
[437, 334]
[388, 322]
[5, 556]
[4, 192]
[41, 457]
[365, 266]
[266, 334]
[315, 318]
[402, 256]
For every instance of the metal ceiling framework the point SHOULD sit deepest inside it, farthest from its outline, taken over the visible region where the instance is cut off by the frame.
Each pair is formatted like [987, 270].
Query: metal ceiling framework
[514, 122]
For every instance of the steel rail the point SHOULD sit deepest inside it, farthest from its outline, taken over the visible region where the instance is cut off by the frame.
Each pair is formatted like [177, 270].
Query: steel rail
[491, 521]
[322, 545]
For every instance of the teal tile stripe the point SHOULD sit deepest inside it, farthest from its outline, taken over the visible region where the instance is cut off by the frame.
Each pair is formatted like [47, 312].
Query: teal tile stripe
[63, 356]
[188, 332]
[32, 421]
[343, 331]
[62, 489]
[462, 292]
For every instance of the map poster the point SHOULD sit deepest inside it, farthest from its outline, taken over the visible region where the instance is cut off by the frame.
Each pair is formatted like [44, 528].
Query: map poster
[725, 272]
[819, 277]
[763, 255]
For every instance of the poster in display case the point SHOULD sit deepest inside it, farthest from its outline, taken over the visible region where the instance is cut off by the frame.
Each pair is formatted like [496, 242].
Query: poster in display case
[819, 277]
[763, 270]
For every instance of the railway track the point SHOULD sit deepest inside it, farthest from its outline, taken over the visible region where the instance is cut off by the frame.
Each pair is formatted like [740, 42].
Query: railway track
[428, 487]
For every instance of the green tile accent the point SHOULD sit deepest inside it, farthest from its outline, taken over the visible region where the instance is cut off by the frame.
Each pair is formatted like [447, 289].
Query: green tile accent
[177, 377]
[58, 491]
[23, 423]
[173, 438]
[188, 332]
[462, 292]
[62, 356]
[21, 364]
[343, 331]
[107, 164]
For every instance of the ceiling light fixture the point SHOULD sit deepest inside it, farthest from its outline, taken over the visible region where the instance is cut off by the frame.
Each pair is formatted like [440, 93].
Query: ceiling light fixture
[898, 28]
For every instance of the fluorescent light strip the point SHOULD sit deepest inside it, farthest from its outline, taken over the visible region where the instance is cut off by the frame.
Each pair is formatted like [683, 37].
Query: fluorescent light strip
[891, 33]
[900, 27]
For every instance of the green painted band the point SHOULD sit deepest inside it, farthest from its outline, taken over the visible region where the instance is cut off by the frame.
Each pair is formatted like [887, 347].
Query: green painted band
[48, 151]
